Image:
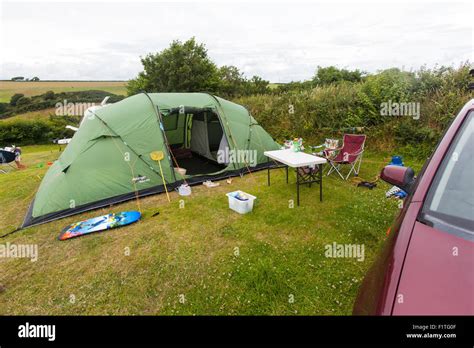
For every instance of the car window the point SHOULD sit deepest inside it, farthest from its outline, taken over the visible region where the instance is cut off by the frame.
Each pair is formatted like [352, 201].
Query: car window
[450, 201]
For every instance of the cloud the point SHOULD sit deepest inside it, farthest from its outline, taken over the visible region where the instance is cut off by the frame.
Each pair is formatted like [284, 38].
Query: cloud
[280, 42]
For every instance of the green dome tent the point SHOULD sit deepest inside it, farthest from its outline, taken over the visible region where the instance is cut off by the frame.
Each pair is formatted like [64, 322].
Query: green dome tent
[108, 160]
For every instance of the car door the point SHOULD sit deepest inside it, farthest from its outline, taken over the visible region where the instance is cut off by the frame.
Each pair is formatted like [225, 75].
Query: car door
[438, 271]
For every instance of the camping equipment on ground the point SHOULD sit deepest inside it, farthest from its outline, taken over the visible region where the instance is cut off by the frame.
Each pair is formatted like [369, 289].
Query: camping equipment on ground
[369, 185]
[349, 154]
[396, 161]
[95, 169]
[360, 182]
[240, 201]
[392, 191]
[400, 194]
[289, 158]
[97, 224]
[11, 154]
[158, 156]
[396, 192]
[6, 157]
[210, 184]
[184, 190]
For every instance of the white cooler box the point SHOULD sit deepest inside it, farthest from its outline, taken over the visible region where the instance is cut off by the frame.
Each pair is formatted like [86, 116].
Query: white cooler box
[241, 207]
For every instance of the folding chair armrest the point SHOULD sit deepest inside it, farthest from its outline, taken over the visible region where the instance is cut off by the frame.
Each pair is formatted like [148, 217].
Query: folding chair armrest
[334, 151]
[356, 153]
[350, 154]
[317, 146]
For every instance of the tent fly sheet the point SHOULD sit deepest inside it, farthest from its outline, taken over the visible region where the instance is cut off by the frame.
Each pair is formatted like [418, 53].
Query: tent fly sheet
[108, 160]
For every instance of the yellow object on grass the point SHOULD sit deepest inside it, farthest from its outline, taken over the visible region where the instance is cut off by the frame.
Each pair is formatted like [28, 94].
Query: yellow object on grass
[158, 156]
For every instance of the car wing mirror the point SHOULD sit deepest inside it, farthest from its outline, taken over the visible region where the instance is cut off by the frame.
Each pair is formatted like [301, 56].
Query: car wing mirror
[402, 177]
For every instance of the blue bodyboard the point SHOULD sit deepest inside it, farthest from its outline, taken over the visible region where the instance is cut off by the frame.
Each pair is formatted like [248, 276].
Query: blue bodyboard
[98, 224]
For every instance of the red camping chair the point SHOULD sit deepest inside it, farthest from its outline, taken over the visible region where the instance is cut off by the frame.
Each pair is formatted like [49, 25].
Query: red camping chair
[350, 153]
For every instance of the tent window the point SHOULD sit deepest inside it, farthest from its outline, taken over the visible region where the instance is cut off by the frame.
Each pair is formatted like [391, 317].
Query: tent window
[170, 122]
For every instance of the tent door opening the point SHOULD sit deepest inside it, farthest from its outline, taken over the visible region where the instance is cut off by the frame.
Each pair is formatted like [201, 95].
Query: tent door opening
[195, 136]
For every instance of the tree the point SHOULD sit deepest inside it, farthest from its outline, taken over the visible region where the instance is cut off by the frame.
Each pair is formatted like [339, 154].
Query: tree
[15, 97]
[137, 84]
[232, 82]
[257, 85]
[36, 78]
[331, 74]
[182, 67]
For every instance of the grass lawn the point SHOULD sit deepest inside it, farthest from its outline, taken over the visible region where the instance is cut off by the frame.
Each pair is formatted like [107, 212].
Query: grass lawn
[200, 259]
[29, 88]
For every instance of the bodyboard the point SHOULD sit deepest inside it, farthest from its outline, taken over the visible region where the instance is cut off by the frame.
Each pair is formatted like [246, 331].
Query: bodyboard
[98, 224]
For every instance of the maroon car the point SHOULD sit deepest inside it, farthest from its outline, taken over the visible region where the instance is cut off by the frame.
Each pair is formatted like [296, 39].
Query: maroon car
[427, 264]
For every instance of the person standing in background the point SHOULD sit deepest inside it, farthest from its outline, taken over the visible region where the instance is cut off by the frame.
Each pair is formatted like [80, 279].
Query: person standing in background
[17, 151]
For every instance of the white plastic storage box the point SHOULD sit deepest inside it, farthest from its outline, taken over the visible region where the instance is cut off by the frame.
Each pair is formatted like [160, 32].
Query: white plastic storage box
[241, 207]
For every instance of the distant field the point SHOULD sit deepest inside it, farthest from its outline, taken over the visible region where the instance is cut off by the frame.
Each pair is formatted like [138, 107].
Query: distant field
[274, 85]
[32, 115]
[9, 88]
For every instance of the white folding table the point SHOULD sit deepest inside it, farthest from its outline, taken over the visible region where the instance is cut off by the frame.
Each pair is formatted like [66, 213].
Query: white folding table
[297, 160]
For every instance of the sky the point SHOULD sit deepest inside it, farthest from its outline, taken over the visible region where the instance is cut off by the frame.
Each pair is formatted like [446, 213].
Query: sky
[279, 41]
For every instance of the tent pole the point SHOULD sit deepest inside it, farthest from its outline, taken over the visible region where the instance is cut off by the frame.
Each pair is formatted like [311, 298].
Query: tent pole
[227, 124]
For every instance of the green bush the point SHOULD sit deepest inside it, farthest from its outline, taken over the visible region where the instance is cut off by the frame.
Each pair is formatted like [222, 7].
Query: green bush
[331, 74]
[49, 95]
[28, 132]
[305, 109]
[24, 132]
[331, 110]
[15, 97]
[23, 101]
